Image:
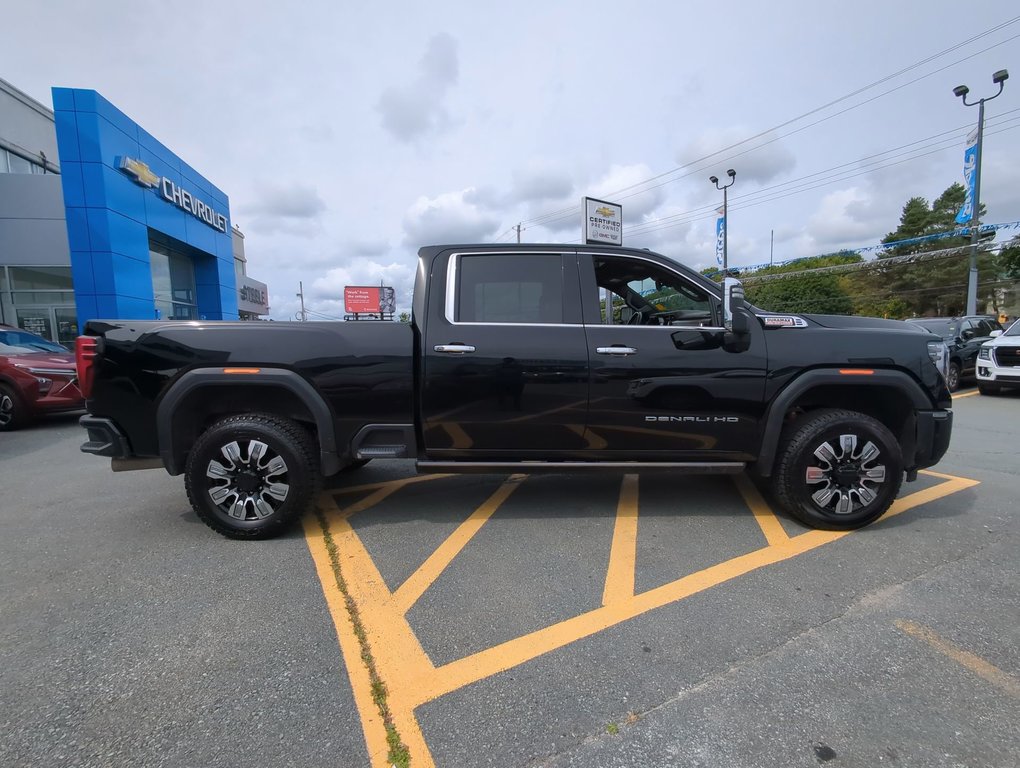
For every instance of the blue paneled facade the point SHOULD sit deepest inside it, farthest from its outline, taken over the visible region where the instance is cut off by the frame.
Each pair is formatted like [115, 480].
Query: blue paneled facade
[131, 205]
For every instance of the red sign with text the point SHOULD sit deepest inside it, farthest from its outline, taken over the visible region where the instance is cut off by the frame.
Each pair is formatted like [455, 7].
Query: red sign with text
[361, 299]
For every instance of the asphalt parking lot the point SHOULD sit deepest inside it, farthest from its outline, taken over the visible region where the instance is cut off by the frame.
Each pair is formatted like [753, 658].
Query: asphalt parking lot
[514, 621]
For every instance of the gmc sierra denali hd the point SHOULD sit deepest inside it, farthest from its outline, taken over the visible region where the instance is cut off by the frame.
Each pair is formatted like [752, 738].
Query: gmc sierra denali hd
[525, 358]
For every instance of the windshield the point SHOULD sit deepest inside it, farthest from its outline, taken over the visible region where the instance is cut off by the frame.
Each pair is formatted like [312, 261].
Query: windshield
[22, 342]
[1014, 330]
[945, 328]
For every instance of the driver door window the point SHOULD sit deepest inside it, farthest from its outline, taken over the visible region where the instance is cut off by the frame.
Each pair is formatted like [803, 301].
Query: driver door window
[633, 292]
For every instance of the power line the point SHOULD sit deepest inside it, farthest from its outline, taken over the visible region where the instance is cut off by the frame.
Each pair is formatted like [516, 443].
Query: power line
[747, 201]
[553, 216]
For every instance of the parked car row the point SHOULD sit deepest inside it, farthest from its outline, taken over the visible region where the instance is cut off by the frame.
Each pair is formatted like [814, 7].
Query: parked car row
[36, 377]
[964, 337]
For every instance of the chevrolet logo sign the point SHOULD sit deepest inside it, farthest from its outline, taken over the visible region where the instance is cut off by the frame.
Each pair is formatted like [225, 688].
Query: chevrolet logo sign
[607, 212]
[139, 171]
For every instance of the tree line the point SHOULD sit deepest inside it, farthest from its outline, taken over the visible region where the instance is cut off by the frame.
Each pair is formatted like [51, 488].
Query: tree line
[934, 285]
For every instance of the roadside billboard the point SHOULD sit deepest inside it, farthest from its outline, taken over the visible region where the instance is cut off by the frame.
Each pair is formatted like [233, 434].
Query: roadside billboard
[369, 300]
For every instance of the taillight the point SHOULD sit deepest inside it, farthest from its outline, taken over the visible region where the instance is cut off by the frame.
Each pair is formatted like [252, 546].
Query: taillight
[85, 358]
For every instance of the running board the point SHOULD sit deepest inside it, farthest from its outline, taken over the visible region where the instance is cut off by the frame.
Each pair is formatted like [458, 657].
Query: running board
[530, 467]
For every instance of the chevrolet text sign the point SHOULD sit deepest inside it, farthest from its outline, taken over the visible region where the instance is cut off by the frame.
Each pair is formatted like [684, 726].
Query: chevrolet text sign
[142, 175]
[603, 222]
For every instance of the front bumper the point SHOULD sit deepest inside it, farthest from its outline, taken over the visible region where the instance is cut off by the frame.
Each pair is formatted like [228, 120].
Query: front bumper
[991, 372]
[105, 439]
[934, 428]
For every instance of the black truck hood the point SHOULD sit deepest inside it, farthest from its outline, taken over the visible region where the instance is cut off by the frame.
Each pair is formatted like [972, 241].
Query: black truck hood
[852, 322]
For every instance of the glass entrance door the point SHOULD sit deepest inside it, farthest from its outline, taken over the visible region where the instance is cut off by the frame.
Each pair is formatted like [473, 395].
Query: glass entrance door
[59, 324]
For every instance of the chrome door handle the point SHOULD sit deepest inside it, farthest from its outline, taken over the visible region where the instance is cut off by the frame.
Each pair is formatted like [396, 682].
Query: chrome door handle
[454, 349]
[616, 350]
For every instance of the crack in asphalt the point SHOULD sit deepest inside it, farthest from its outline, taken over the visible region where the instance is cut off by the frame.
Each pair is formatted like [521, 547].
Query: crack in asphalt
[867, 602]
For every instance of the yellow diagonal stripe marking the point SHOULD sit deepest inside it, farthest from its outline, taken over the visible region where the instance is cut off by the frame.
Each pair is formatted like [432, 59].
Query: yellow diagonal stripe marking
[408, 593]
[974, 663]
[623, 554]
[763, 514]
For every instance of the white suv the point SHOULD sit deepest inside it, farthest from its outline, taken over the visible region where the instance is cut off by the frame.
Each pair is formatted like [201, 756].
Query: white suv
[998, 361]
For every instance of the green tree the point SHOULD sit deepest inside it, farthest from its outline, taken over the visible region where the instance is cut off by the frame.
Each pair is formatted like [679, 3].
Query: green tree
[822, 292]
[1008, 261]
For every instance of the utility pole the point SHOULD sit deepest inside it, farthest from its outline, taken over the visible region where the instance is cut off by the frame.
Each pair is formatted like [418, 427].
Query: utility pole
[518, 228]
[301, 295]
[999, 79]
[772, 242]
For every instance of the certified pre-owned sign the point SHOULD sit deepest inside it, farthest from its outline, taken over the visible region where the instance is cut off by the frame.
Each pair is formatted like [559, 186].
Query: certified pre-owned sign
[603, 222]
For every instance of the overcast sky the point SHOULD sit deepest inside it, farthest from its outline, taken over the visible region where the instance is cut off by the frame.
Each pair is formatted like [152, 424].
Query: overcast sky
[349, 135]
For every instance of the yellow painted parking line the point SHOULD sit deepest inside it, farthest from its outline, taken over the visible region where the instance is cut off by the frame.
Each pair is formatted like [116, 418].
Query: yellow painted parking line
[977, 665]
[960, 395]
[409, 675]
[408, 593]
[623, 553]
[361, 684]
[763, 514]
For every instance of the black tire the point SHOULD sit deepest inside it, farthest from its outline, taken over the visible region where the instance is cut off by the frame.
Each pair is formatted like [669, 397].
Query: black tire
[14, 414]
[863, 481]
[989, 389]
[245, 491]
[953, 376]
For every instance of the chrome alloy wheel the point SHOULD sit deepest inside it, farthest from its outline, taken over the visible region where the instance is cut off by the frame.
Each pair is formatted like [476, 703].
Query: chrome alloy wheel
[252, 484]
[849, 476]
[6, 409]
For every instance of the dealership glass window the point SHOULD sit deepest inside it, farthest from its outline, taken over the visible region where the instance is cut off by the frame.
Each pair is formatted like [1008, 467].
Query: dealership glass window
[173, 283]
[18, 164]
[510, 289]
[40, 300]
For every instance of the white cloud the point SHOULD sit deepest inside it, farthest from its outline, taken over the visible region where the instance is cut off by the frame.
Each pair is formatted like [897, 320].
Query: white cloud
[451, 217]
[293, 208]
[417, 109]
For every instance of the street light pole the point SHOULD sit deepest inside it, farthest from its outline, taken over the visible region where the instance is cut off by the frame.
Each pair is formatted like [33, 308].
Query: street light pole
[725, 215]
[999, 78]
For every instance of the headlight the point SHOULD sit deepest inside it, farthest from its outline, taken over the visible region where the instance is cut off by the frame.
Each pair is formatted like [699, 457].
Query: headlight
[985, 353]
[939, 354]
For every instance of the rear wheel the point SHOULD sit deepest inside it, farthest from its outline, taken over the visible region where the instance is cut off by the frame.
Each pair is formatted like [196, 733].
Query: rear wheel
[13, 411]
[837, 469]
[249, 477]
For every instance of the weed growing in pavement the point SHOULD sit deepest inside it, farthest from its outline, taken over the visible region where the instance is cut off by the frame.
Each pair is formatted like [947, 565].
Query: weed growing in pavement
[398, 756]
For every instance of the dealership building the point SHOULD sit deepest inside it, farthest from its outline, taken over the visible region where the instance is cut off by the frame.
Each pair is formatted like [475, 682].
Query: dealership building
[98, 219]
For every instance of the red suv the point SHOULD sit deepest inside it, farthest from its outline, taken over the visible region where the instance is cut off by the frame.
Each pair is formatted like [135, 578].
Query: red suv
[36, 377]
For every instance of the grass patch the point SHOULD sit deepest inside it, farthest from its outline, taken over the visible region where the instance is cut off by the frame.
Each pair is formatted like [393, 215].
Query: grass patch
[612, 729]
[398, 755]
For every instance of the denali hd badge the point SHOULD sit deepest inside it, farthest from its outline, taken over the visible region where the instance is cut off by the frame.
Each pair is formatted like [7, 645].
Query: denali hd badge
[698, 419]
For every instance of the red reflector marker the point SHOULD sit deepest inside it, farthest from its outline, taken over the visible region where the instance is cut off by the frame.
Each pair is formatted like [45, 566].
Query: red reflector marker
[242, 370]
[84, 361]
[856, 371]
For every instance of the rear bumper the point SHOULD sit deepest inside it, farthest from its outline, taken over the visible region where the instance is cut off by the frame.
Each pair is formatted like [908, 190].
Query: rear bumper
[105, 439]
[934, 428]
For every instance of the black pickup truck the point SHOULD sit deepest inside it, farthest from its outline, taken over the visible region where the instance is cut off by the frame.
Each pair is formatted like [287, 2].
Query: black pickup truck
[525, 358]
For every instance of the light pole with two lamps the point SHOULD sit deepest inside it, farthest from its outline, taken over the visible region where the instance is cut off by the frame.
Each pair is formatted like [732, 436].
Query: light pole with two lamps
[725, 215]
[999, 79]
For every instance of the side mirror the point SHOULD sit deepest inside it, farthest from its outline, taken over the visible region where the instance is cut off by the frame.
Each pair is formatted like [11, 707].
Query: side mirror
[733, 301]
[995, 334]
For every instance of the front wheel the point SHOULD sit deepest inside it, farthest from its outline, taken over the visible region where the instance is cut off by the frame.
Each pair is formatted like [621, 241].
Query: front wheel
[13, 412]
[837, 469]
[953, 377]
[249, 477]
